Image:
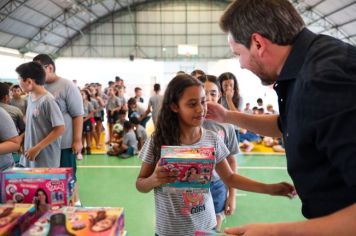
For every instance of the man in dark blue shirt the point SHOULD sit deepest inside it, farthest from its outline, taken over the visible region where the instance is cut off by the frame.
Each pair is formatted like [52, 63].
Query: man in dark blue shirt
[315, 80]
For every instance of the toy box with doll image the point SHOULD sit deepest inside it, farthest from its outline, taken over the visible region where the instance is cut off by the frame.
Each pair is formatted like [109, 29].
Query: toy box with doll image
[79, 221]
[14, 218]
[53, 186]
[193, 167]
[208, 233]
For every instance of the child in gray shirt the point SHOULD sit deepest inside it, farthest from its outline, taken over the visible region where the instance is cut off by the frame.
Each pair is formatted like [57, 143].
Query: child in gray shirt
[44, 120]
[9, 140]
[129, 141]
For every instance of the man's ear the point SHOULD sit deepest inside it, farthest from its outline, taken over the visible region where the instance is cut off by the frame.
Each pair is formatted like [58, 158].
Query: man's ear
[174, 107]
[258, 43]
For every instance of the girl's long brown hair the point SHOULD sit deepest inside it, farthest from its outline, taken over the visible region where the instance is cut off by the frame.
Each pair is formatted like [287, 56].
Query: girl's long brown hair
[167, 130]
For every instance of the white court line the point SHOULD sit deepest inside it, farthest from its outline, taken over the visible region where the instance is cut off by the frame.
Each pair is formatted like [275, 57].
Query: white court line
[111, 167]
[241, 195]
[239, 168]
[262, 168]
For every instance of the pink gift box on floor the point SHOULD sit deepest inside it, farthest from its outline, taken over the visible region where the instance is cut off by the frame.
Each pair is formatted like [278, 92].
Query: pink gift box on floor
[15, 218]
[53, 186]
[103, 221]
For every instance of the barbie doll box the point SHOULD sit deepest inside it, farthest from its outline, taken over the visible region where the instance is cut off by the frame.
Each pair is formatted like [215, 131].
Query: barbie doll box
[79, 221]
[193, 167]
[14, 218]
[53, 186]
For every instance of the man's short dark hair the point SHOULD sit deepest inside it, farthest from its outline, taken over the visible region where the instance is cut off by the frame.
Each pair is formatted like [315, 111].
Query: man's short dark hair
[197, 73]
[156, 87]
[32, 70]
[15, 86]
[134, 120]
[122, 112]
[131, 101]
[44, 60]
[127, 125]
[276, 20]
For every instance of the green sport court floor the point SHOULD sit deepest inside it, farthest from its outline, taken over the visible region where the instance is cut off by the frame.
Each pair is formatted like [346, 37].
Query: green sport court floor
[110, 181]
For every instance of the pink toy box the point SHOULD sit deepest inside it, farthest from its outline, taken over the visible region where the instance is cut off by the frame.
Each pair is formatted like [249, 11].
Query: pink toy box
[53, 186]
[208, 233]
[14, 218]
[79, 221]
[193, 167]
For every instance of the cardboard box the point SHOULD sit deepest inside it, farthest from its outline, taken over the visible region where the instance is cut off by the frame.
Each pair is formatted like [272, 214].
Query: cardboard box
[193, 167]
[79, 221]
[208, 233]
[53, 186]
[15, 218]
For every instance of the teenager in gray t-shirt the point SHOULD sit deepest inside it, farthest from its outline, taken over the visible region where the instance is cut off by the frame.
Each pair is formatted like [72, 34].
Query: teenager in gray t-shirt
[9, 140]
[155, 102]
[42, 116]
[70, 103]
[16, 116]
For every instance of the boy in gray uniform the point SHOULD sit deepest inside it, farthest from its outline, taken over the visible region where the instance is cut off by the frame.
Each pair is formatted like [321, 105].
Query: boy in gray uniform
[17, 99]
[15, 113]
[154, 104]
[129, 142]
[70, 103]
[9, 140]
[140, 132]
[44, 120]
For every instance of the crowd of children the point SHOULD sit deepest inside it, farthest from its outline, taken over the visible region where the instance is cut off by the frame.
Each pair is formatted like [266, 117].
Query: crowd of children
[178, 117]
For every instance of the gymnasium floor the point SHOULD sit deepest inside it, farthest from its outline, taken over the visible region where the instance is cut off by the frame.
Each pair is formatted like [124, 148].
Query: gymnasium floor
[110, 181]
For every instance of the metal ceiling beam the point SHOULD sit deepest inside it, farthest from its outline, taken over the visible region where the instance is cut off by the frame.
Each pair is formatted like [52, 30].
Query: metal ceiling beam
[103, 5]
[339, 25]
[10, 7]
[315, 19]
[349, 36]
[122, 11]
[67, 13]
[67, 9]
[332, 12]
[12, 34]
[32, 25]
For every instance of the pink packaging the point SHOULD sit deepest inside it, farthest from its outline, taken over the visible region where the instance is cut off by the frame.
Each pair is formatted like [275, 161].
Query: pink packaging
[208, 233]
[15, 218]
[80, 221]
[193, 167]
[53, 186]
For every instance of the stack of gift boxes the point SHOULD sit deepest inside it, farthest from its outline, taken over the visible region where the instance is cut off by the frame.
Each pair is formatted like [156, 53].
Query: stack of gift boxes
[38, 201]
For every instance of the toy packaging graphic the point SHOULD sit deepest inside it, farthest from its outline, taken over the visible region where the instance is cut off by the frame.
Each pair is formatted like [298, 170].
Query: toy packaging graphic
[208, 233]
[193, 167]
[14, 218]
[27, 185]
[80, 221]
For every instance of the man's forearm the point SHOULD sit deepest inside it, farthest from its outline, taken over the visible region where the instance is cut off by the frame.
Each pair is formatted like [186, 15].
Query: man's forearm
[265, 125]
[341, 223]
